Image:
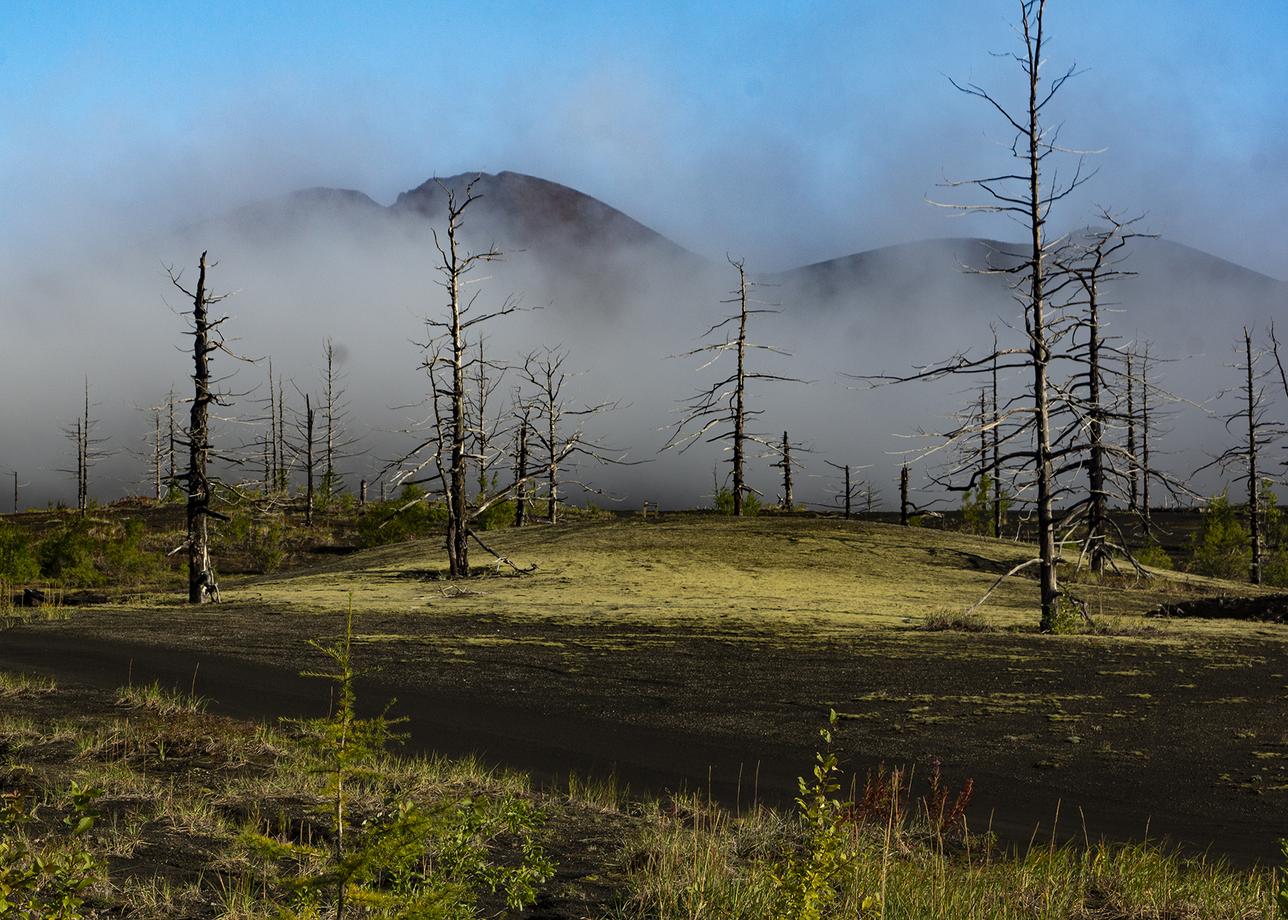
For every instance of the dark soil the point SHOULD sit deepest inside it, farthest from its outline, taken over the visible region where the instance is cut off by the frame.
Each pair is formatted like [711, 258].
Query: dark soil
[1117, 737]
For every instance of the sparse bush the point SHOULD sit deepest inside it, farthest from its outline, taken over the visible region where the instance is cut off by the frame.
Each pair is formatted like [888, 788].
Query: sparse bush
[1222, 546]
[44, 873]
[977, 507]
[1153, 555]
[807, 881]
[410, 516]
[19, 561]
[723, 503]
[261, 537]
[950, 621]
[400, 859]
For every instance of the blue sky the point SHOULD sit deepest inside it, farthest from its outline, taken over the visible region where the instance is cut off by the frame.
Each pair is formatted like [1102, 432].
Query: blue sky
[787, 131]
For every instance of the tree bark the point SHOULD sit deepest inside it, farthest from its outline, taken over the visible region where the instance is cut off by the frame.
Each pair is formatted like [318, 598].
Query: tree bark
[1254, 499]
[308, 460]
[788, 502]
[521, 475]
[903, 495]
[201, 579]
[740, 389]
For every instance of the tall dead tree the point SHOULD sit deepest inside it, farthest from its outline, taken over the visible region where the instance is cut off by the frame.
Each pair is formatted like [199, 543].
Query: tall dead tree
[207, 340]
[783, 452]
[559, 431]
[484, 427]
[995, 467]
[522, 424]
[1133, 474]
[719, 414]
[336, 443]
[1256, 430]
[1144, 437]
[903, 496]
[850, 489]
[448, 365]
[90, 450]
[1091, 397]
[1026, 194]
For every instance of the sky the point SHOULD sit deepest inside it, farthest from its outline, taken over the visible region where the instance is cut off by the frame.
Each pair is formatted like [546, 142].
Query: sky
[783, 133]
[788, 132]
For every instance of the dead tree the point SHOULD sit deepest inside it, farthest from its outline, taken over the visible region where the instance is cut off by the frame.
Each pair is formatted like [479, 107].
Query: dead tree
[90, 450]
[448, 366]
[558, 441]
[995, 468]
[337, 445]
[903, 495]
[849, 489]
[1133, 501]
[719, 414]
[207, 340]
[1091, 397]
[1251, 422]
[783, 452]
[307, 432]
[522, 413]
[1026, 194]
[1144, 438]
[484, 428]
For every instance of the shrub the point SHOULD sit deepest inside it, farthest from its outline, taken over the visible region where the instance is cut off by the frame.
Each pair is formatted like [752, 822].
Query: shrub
[67, 555]
[1152, 554]
[806, 882]
[261, 537]
[45, 873]
[410, 516]
[1222, 547]
[724, 503]
[403, 860]
[977, 507]
[18, 559]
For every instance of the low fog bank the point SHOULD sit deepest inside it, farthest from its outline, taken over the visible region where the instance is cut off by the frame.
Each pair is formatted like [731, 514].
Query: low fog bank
[617, 296]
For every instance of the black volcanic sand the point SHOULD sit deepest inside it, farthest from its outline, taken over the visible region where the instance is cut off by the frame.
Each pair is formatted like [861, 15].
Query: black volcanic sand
[1117, 737]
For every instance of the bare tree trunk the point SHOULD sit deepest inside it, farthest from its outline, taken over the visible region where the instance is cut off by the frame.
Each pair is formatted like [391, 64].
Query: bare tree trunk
[1037, 335]
[740, 390]
[521, 474]
[457, 534]
[1144, 437]
[847, 491]
[1097, 516]
[328, 470]
[552, 467]
[283, 474]
[1254, 500]
[268, 466]
[308, 460]
[997, 454]
[788, 502]
[903, 495]
[1133, 478]
[156, 454]
[84, 455]
[15, 491]
[172, 468]
[201, 579]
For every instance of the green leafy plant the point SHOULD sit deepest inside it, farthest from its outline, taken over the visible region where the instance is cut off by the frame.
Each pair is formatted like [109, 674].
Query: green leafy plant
[45, 875]
[806, 882]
